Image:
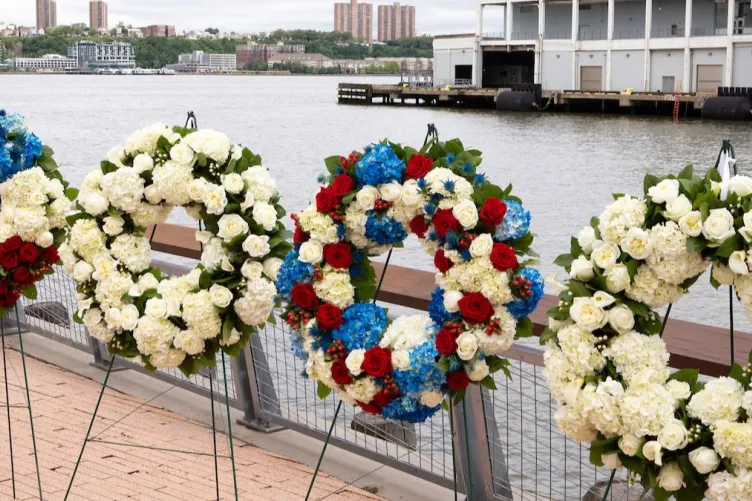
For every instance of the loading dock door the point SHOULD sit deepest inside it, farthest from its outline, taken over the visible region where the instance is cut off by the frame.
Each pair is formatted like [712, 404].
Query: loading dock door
[709, 77]
[591, 78]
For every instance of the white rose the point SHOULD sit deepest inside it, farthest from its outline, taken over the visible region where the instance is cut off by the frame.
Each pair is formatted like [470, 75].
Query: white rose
[637, 243]
[611, 460]
[82, 271]
[606, 255]
[354, 362]
[467, 345]
[189, 342]
[679, 208]
[221, 296]
[585, 239]
[182, 154]
[367, 197]
[451, 300]
[617, 278]
[719, 226]
[665, 191]
[391, 192]
[45, 239]
[143, 162]
[256, 246]
[401, 359]
[723, 274]
[482, 245]
[621, 319]
[704, 460]
[237, 152]
[738, 262]
[116, 156]
[233, 183]
[265, 215]
[215, 199]
[272, 267]
[673, 436]
[431, 398]
[652, 452]
[582, 269]
[671, 478]
[678, 389]
[156, 308]
[311, 252]
[466, 213]
[129, 317]
[252, 270]
[741, 185]
[231, 226]
[152, 194]
[587, 314]
[197, 189]
[94, 203]
[630, 444]
[572, 391]
[411, 194]
[691, 224]
[478, 371]
[112, 318]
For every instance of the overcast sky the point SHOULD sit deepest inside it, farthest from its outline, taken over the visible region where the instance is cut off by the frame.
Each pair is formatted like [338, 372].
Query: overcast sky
[433, 16]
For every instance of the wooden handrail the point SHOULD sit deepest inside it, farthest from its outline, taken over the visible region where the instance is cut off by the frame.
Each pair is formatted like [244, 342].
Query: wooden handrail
[691, 345]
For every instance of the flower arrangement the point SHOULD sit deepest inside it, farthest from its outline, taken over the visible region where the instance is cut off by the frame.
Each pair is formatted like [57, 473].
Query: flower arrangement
[605, 362]
[180, 321]
[35, 202]
[477, 234]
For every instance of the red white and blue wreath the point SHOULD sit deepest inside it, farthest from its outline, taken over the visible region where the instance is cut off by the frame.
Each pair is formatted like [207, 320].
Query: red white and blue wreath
[478, 235]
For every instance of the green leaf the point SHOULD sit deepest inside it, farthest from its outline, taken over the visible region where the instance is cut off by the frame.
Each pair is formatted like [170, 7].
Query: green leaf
[47, 151]
[454, 146]
[71, 194]
[564, 260]
[660, 494]
[649, 182]
[107, 167]
[688, 376]
[696, 244]
[323, 390]
[687, 173]
[488, 382]
[30, 292]
[578, 289]
[639, 309]
[632, 267]
[75, 217]
[729, 246]
[546, 336]
[486, 191]
[704, 210]
[444, 364]
[47, 164]
[77, 319]
[227, 328]
[574, 248]
[737, 372]
[190, 366]
[524, 328]
[333, 164]
[205, 281]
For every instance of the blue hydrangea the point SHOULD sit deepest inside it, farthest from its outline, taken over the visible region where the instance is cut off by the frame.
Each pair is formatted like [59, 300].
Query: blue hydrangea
[384, 230]
[363, 324]
[436, 309]
[379, 165]
[293, 271]
[18, 149]
[424, 373]
[516, 223]
[32, 150]
[409, 409]
[297, 344]
[356, 268]
[522, 308]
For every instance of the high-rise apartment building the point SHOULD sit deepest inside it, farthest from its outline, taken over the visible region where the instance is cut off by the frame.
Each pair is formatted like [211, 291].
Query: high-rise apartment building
[355, 18]
[159, 30]
[396, 21]
[46, 14]
[98, 15]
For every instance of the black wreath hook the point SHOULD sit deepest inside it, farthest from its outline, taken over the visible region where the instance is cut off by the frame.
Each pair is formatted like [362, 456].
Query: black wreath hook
[191, 120]
[432, 134]
[728, 148]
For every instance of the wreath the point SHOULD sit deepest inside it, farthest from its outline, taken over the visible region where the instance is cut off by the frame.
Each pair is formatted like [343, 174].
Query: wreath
[476, 233]
[167, 322]
[606, 363]
[35, 201]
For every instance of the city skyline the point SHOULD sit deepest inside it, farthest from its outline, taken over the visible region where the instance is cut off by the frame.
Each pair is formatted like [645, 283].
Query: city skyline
[439, 16]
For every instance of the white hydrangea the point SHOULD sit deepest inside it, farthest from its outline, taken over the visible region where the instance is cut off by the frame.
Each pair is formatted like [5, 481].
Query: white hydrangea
[581, 351]
[147, 214]
[407, 332]
[721, 399]
[499, 343]
[478, 275]
[171, 180]
[214, 145]
[646, 408]
[134, 252]
[335, 287]
[171, 359]
[730, 486]
[200, 314]
[574, 425]
[260, 183]
[142, 141]
[110, 289]
[319, 226]
[154, 335]
[123, 188]
[362, 390]
[600, 405]
[319, 369]
[734, 441]
[647, 288]
[189, 342]
[633, 352]
[623, 214]
[670, 261]
[256, 303]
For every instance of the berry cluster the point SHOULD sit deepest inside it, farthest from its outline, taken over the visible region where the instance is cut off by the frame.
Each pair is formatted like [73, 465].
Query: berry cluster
[337, 350]
[349, 161]
[522, 287]
[382, 205]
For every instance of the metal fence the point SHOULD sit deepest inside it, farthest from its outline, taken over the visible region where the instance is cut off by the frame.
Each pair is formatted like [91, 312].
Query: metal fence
[506, 440]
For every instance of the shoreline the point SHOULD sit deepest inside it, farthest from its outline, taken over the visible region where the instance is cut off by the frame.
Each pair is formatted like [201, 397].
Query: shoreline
[239, 74]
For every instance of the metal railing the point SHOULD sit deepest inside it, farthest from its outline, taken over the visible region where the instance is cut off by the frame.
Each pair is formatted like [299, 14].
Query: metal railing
[514, 450]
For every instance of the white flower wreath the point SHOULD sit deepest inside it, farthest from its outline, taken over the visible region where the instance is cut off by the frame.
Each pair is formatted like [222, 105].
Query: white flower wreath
[182, 321]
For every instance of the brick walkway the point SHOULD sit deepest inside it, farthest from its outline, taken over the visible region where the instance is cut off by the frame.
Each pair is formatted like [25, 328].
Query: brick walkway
[63, 402]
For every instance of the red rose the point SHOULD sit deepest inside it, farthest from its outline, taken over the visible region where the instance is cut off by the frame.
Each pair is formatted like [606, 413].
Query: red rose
[503, 257]
[340, 373]
[418, 166]
[370, 408]
[13, 243]
[342, 185]
[493, 211]
[304, 296]
[51, 256]
[4, 286]
[338, 255]
[458, 380]
[29, 252]
[384, 398]
[377, 362]
[475, 308]
[442, 263]
[329, 316]
[326, 200]
[9, 299]
[23, 276]
[9, 260]
[300, 236]
[446, 343]
[419, 226]
[445, 222]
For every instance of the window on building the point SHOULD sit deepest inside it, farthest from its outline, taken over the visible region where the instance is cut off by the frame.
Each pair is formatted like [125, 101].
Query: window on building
[674, 30]
[669, 84]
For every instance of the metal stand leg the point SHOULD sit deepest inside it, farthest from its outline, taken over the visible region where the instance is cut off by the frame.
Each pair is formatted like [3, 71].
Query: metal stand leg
[7, 409]
[608, 487]
[229, 429]
[323, 450]
[214, 435]
[469, 472]
[454, 455]
[731, 322]
[91, 425]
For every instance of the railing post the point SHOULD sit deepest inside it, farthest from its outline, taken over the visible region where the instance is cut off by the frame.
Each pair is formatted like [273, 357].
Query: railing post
[253, 382]
[476, 455]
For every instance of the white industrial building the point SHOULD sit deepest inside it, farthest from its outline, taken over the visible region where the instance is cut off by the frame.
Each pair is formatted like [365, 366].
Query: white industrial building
[48, 62]
[614, 45]
[93, 56]
[200, 60]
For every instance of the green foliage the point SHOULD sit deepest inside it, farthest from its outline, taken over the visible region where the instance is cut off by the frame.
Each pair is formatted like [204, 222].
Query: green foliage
[322, 390]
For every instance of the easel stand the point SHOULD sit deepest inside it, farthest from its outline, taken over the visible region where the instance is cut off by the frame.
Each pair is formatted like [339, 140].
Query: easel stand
[215, 455]
[8, 405]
